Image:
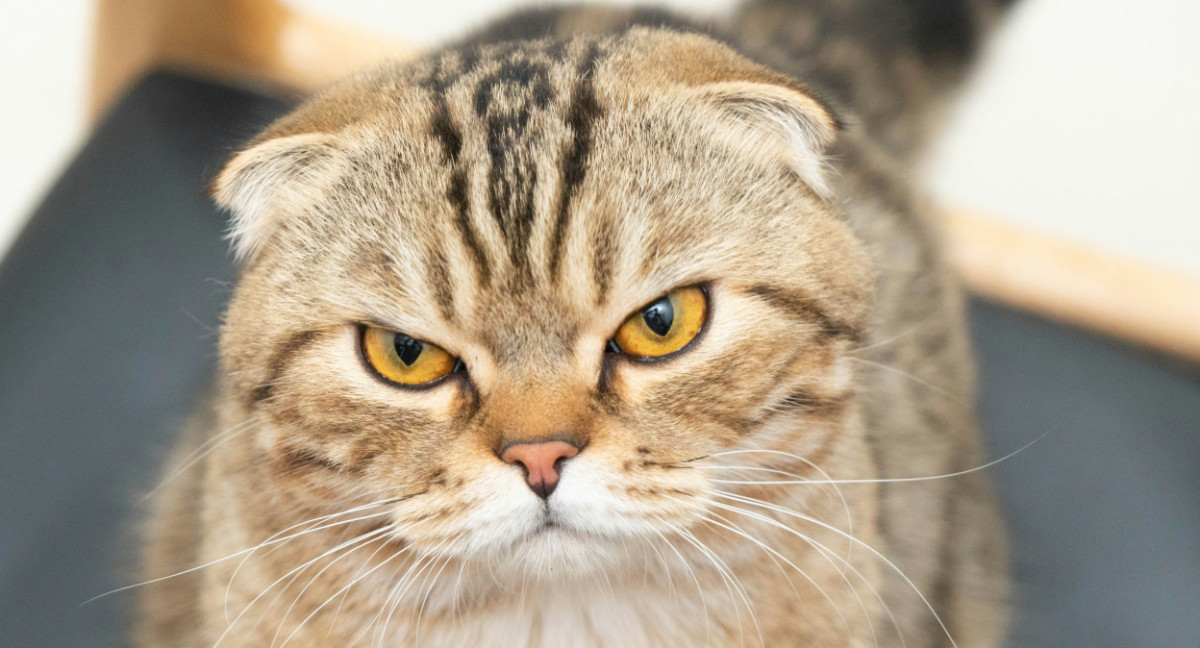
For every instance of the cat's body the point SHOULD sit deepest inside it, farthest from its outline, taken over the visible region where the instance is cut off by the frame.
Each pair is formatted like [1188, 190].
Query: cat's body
[514, 204]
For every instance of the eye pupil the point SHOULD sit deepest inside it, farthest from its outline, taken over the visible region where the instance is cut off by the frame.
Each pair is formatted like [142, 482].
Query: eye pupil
[659, 316]
[408, 349]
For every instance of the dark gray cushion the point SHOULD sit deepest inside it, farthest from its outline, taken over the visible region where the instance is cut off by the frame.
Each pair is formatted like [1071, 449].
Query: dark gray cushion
[109, 302]
[108, 308]
[1105, 510]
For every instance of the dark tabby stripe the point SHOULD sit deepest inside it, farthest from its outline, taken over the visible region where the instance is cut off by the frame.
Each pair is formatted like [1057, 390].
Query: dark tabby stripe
[505, 98]
[813, 404]
[280, 357]
[456, 193]
[512, 180]
[602, 262]
[443, 129]
[438, 276]
[532, 76]
[583, 113]
[945, 30]
[296, 460]
[807, 309]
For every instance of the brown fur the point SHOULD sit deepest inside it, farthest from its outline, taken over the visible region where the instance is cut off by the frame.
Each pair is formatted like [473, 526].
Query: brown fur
[514, 203]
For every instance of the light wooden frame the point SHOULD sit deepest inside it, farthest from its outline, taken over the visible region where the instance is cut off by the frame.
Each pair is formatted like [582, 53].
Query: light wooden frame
[1147, 305]
[268, 41]
[264, 40]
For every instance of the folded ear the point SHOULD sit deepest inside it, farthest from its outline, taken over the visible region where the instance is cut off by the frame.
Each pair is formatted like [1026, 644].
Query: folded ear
[270, 180]
[762, 108]
[780, 119]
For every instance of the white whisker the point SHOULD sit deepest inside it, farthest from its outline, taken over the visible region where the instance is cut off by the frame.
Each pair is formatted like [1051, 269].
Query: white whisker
[894, 338]
[202, 451]
[425, 561]
[776, 556]
[731, 583]
[666, 568]
[821, 549]
[899, 572]
[286, 539]
[892, 480]
[696, 580]
[215, 561]
[827, 479]
[357, 539]
[288, 612]
[338, 611]
[829, 556]
[920, 381]
[432, 582]
[344, 588]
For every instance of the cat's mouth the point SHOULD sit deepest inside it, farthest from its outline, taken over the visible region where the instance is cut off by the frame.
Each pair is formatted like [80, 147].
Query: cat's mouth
[550, 527]
[554, 550]
[551, 532]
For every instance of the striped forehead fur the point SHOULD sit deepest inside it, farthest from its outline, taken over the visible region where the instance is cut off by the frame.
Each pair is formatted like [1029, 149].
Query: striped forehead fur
[535, 106]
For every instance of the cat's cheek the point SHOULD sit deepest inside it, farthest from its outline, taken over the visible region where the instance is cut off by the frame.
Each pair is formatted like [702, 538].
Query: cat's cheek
[595, 497]
[583, 500]
[489, 509]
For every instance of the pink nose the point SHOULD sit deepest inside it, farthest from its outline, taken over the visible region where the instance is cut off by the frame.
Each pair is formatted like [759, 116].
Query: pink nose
[542, 462]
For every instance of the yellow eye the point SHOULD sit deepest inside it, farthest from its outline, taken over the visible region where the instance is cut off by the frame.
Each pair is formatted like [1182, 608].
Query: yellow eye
[665, 326]
[403, 359]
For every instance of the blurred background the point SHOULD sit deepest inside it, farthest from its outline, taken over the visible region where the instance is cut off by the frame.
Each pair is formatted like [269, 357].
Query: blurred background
[1067, 173]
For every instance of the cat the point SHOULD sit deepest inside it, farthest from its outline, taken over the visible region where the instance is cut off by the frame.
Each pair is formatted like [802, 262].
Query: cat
[597, 328]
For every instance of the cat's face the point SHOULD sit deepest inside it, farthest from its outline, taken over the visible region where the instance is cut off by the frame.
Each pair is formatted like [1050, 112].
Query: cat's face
[514, 208]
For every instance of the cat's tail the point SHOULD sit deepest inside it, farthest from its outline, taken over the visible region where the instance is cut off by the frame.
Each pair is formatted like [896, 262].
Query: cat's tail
[890, 63]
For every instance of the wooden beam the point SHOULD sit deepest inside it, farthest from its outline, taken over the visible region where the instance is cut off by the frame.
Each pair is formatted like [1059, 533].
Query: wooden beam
[1151, 306]
[247, 39]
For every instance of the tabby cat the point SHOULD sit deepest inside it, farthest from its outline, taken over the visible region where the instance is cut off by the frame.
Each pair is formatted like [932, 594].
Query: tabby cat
[596, 329]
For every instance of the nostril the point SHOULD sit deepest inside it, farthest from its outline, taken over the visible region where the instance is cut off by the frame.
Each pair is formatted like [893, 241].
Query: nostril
[521, 464]
[542, 462]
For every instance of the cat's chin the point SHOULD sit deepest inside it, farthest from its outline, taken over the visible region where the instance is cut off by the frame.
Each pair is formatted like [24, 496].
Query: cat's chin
[556, 552]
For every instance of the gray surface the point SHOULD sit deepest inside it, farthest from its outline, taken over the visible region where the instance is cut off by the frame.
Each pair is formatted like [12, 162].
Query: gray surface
[107, 303]
[1105, 510]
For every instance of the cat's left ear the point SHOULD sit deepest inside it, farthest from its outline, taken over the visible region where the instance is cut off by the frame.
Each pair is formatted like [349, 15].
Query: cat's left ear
[761, 110]
[779, 117]
[270, 180]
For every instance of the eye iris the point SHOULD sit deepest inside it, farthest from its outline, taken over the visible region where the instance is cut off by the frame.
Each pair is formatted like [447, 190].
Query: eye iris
[404, 359]
[659, 316]
[665, 326]
[408, 349]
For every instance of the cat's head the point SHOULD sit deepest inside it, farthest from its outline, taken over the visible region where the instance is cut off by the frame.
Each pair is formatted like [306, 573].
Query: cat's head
[578, 269]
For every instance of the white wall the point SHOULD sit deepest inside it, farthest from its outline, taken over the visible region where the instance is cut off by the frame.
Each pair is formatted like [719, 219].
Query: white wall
[1085, 120]
[43, 76]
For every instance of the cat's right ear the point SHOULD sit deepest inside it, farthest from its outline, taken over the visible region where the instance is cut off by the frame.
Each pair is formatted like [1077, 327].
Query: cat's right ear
[270, 180]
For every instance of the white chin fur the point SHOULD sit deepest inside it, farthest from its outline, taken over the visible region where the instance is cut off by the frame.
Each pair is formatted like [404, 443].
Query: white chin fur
[584, 529]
